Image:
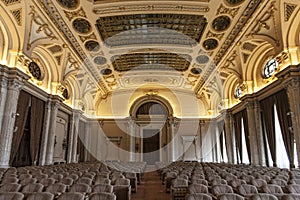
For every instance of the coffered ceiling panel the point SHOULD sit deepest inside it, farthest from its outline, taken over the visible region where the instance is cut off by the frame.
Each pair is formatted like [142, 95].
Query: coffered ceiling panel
[156, 28]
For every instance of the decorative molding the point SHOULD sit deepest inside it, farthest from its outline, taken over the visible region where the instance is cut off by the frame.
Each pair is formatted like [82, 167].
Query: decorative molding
[263, 24]
[17, 13]
[210, 34]
[237, 29]
[89, 37]
[288, 10]
[10, 2]
[230, 11]
[51, 10]
[150, 7]
[38, 29]
[73, 14]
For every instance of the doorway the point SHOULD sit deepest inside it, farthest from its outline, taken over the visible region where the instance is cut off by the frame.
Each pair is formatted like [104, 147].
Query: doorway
[151, 142]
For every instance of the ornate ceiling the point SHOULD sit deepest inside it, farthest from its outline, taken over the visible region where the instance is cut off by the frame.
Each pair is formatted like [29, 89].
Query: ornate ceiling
[186, 38]
[88, 50]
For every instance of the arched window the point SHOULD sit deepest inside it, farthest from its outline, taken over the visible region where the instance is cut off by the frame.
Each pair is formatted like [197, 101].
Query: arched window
[270, 68]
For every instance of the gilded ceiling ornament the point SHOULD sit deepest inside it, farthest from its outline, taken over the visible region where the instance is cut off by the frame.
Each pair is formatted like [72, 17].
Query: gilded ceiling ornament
[230, 11]
[202, 59]
[10, 2]
[151, 29]
[100, 60]
[69, 4]
[221, 23]
[73, 14]
[35, 70]
[17, 13]
[210, 44]
[82, 26]
[234, 2]
[288, 10]
[106, 71]
[92, 45]
[38, 29]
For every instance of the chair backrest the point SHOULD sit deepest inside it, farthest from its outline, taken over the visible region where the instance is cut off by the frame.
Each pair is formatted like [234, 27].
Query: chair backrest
[33, 187]
[122, 181]
[102, 188]
[178, 182]
[197, 188]
[101, 180]
[85, 180]
[198, 196]
[39, 196]
[200, 181]
[10, 187]
[263, 196]
[26, 181]
[47, 181]
[237, 182]
[56, 188]
[71, 196]
[67, 181]
[11, 196]
[259, 183]
[80, 187]
[247, 189]
[103, 196]
[290, 197]
[221, 189]
[279, 182]
[9, 180]
[272, 189]
[293, 188]
[230, 196]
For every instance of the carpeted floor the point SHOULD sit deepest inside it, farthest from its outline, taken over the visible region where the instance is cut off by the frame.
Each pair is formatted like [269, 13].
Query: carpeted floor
[151, 188]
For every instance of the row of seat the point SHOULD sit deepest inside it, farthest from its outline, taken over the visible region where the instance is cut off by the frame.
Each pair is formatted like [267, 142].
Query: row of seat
[216, 179]
[83, 178]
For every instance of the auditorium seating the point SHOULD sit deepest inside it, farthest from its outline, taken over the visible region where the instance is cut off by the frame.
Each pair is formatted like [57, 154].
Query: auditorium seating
[184, 181]
[228, 181]
[95, 180]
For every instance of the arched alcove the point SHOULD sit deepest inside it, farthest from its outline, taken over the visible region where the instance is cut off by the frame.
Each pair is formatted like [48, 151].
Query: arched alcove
[151, 114]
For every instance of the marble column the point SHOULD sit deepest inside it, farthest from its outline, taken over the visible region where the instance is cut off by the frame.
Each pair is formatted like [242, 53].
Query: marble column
[14, 85]
[255, 131]
[228, 120]
[55, 104]
[44, 139]
[202, 133]
[74, 132]
[172, 127]
[293, 92]
[131, 133]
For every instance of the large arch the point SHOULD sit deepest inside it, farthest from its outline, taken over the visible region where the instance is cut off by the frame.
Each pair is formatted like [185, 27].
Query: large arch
[11, 37]
[150, 98]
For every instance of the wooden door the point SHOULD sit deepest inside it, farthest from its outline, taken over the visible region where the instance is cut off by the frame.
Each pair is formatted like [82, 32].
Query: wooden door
[151, 146]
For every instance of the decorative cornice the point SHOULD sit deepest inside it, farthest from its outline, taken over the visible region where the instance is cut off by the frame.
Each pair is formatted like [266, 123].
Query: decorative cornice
[244, 19]
[56, 18]
[158, 7]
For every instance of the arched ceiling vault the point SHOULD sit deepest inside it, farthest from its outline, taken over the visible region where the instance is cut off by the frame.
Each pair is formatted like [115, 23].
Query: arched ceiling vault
[114, 46]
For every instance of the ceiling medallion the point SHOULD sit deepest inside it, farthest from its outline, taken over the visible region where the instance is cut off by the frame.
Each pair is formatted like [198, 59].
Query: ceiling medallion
[35, 70]
[82, 26]
[196, 71]
[202, 59]
[234, 2]
[106, 71]
[100, 60]
[210, 44]
[92, 45]
[70, 4]
[221, 23]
